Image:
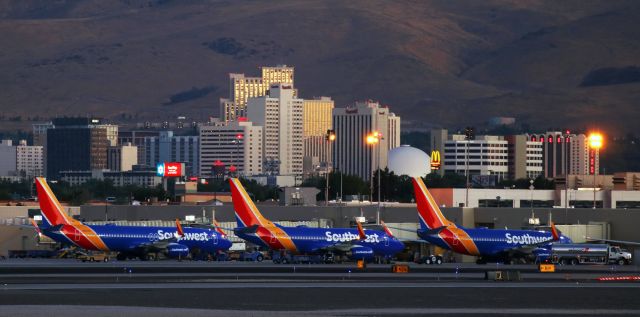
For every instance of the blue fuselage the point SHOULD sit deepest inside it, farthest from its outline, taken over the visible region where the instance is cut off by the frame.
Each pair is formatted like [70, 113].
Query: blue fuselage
[316, 240]
[490, 242]
[130, 239]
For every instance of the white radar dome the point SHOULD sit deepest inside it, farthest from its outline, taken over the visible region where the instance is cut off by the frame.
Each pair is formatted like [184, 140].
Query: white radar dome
[407, 160]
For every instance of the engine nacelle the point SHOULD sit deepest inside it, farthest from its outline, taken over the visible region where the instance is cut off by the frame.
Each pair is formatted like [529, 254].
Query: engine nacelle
[177, 250]
[540, 254]
[360, 253]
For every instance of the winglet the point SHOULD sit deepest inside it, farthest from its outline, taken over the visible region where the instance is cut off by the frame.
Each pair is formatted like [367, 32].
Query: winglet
[386, 229]
[361, 231]
[35, 225]
[554, 232]
[179, 227]
[218, 229]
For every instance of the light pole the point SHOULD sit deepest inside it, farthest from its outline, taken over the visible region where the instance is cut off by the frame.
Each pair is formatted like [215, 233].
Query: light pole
[595, 143]
[469, 135]
[567, 165]
[330, 137]
[237, 141]
[372, 140]
[531, 187]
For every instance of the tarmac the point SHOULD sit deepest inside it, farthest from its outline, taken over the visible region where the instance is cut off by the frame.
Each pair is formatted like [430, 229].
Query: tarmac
[36, 287]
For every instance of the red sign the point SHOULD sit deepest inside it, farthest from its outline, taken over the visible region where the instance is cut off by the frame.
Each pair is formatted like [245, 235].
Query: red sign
[592, 162]
[173, 169]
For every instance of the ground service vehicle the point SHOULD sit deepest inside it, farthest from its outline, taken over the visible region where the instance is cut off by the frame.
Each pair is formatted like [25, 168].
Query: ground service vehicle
[588, 254]
[93, 257]
[430, 259]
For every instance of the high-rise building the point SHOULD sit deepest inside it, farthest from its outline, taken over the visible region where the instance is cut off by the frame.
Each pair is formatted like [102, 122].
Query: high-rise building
[7, 158]
[525, 157]
[29, 160]
[488, 158]
[242, 88]
[351, 153]
[226, 144]
[167, 147]
[111, 131]
[579, 156]
[280, 114]
[565, 152]
[486, 155]
[138, 139]
[122, 158]
[40, 133]
[40, 139]
[22, 161]
[75, 144]
[317, 119]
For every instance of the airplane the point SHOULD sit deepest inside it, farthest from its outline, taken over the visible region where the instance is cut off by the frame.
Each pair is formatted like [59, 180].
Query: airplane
[128, 241]
[489, 245]
[357, 244]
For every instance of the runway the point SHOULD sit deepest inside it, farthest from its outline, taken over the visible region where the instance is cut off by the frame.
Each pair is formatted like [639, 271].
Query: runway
[35, 287]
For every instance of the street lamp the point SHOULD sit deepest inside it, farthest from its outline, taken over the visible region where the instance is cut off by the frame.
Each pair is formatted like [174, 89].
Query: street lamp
[330, 137]
[469, 135]
[373, 139]
[595, 143]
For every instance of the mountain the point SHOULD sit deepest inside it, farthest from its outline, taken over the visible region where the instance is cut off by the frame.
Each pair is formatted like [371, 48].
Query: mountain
[550, 64]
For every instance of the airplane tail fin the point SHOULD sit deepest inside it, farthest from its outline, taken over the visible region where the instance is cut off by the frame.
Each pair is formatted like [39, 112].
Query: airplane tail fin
[52, 211]
[247, 214]
[428, 211]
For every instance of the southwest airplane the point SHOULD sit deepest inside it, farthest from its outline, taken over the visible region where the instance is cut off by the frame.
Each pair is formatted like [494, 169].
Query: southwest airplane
[358, 244]
[490, 245]
[128, 241]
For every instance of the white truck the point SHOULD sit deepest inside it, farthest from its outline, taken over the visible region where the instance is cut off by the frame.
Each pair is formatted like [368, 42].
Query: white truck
[574, 254]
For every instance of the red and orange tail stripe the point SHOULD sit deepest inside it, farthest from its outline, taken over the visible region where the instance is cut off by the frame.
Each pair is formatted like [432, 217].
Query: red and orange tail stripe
[428, 209]
[75, 231]
[49, 204]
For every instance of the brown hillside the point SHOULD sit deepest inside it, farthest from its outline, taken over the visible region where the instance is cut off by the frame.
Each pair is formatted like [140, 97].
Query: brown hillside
[433, 62]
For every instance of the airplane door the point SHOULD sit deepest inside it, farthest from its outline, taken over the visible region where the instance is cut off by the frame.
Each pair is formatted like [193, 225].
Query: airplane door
[215, 238]
[386, 241]
[273, 238]
[456, 241]
[76, 235]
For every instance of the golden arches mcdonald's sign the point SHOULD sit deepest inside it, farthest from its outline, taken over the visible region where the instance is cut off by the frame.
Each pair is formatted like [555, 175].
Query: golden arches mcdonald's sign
[435, 160]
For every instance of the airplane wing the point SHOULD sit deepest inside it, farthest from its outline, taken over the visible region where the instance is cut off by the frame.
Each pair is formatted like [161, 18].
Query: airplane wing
[160, 245]
[346, 245]
[623, 242]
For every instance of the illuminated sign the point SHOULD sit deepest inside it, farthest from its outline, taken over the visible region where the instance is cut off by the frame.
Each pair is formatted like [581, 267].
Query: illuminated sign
[592, 161]
[435, 160]
[170, 169]
[173, 169]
